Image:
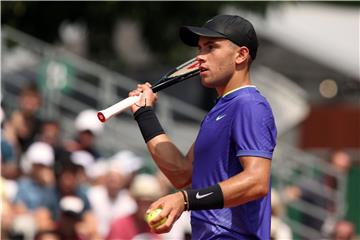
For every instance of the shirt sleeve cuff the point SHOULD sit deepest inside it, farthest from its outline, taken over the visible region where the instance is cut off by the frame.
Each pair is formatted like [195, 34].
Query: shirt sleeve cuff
[254, 153]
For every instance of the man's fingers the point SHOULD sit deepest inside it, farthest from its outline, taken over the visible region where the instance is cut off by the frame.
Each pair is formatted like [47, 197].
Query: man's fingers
[166, 227]
[144, 86]
[134, 93]
[153, 206]
[159, 218]
[171, 216]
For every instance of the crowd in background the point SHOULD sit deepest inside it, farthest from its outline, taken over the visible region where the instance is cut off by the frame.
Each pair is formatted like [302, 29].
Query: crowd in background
[65, 189]
[54, 188]
[340, 163]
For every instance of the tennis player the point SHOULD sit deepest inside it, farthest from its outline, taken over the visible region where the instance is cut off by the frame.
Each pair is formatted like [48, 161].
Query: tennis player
[224, 179]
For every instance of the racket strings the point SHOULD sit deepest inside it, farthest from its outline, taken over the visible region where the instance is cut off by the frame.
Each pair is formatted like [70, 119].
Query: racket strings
[181, 73]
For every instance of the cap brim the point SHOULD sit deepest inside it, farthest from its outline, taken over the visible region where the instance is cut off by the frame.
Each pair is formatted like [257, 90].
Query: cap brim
[190, 35]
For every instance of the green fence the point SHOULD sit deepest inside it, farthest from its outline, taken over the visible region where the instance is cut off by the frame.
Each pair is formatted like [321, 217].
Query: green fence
[353, 197]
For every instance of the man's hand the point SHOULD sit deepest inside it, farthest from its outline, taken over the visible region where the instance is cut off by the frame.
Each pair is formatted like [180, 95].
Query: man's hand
[172, 207]
[148, 97]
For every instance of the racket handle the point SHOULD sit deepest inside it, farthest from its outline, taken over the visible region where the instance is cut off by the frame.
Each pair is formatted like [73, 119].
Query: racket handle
[117, 108]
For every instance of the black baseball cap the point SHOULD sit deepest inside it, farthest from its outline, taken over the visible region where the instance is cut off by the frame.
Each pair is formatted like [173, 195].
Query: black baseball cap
[234, 28]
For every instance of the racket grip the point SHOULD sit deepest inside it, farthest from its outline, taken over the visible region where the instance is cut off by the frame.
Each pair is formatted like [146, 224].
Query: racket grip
[117, 108]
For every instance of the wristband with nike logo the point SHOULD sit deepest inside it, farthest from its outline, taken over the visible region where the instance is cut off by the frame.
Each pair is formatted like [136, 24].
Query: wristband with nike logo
[206, 198]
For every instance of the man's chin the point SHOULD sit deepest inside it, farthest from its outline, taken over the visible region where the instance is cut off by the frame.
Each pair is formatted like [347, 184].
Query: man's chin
[206, 83]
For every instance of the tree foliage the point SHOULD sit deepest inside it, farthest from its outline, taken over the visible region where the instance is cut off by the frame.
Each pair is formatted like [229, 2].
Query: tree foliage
[159, 21]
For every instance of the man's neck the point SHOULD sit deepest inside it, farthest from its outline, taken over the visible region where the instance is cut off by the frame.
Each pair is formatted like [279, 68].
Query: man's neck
[239, 79]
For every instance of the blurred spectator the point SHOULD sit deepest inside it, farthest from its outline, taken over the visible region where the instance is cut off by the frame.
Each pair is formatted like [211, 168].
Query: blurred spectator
[87, 129]
[301, 191]
[36, 192]
[340, 162]
[84, 161]
[24, 124]
[112, 200]
[128, 163]
[70, 225]
[50, 133]
[74, 37]
[68, 186]
[145, 189]
[9, 164]
[47, 235]
[164, 182]
[343, 230]
[7, 212]
[71, 213]
[97, 173]
[9, 188]
[279, 229]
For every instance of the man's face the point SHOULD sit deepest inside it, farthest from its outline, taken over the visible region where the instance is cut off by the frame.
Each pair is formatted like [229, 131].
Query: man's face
[50, 133]
[86, 139]
[114, 183]
[30, 102]
[217, 61]
[68, 182]
[43, 174]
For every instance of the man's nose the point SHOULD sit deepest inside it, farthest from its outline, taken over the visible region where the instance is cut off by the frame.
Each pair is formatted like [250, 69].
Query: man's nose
[200, 58]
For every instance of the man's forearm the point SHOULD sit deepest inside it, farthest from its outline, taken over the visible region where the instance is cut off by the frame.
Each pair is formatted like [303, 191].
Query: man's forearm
[176, 167]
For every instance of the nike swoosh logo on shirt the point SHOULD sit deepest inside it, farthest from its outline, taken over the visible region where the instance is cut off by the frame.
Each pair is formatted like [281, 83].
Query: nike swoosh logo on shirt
[198, 196]
[220, 117]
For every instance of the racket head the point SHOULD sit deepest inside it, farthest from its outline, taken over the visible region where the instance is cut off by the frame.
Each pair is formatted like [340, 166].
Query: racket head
[178, 74]
[185, 68]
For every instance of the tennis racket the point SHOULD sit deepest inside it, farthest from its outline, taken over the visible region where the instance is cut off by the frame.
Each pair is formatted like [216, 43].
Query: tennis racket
[176, 75]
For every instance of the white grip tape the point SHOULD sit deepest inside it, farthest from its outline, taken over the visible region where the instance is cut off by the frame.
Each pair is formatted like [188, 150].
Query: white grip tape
[117, 108]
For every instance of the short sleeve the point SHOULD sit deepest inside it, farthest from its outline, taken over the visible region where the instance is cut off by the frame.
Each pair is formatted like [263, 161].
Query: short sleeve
[253, 129]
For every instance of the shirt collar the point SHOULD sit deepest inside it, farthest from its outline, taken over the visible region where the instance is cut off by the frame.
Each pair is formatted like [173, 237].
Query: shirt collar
[231, 91]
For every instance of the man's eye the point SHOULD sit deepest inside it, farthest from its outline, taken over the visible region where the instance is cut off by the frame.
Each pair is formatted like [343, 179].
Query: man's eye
[206, 48]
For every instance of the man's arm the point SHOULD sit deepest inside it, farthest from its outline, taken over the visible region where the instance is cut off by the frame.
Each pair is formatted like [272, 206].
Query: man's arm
[250, 184]
[176, 167]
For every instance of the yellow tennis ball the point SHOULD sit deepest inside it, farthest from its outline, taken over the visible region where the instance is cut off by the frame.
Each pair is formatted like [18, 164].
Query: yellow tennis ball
[151, 215]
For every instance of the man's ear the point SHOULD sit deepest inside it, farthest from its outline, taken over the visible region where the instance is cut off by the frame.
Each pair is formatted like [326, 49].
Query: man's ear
[242, 55]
